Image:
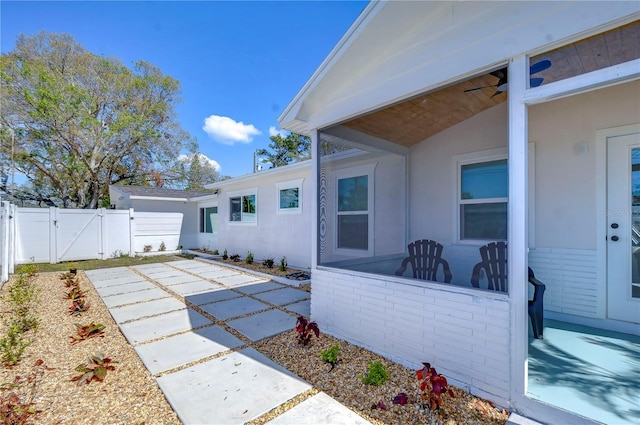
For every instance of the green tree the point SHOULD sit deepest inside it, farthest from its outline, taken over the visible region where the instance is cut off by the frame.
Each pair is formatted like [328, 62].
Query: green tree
[200, 171]
[286, 150]
[83, 121]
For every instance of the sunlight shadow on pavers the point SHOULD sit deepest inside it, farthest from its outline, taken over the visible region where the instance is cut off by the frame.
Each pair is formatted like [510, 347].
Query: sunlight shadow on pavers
[263, 325]
[170, 353]
[319, 409]
[283, 296]
[257, 287]
[212, 296]
[233, 308]
[302, 308]
[167, 324]
[232, 389]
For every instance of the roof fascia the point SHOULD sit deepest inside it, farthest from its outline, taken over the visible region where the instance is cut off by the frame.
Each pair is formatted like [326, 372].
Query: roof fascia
[260, 174]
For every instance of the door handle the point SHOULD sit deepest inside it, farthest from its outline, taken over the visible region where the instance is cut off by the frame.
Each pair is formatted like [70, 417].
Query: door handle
[614, 238]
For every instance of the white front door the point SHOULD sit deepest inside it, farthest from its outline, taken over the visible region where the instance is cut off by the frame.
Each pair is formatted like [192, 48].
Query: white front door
[623, 227]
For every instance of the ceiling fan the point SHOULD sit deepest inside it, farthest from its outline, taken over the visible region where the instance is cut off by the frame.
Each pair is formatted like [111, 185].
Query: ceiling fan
[501, 75]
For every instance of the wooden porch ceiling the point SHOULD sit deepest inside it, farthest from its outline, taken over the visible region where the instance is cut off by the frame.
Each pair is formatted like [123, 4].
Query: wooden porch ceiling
[419, 118]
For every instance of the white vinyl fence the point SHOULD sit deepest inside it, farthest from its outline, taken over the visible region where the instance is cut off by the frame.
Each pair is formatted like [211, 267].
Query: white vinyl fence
[53, 235]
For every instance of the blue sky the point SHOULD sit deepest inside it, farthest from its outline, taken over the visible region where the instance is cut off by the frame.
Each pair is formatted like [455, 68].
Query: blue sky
[239, 63]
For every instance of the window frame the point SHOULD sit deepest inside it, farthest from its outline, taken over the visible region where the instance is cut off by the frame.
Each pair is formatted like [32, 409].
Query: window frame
[286, 185]
[346, 173]
[467, 159]
[242, 194]
[202, 226]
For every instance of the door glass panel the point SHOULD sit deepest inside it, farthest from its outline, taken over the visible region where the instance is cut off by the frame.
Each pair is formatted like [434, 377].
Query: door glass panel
[635, 222]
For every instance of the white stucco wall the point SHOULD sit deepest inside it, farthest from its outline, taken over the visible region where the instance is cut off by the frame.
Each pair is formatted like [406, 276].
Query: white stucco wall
[273, 234]
[189, 210]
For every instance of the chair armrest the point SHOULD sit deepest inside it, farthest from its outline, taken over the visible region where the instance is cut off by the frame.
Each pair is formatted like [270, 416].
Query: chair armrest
[475, 276]
[446, 270]
[539, 288]
[403, 266]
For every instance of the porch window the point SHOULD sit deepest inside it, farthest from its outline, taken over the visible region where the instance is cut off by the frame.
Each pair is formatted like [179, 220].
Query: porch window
[483, 200]
[243, 208]
[353, 213]
[209, 220]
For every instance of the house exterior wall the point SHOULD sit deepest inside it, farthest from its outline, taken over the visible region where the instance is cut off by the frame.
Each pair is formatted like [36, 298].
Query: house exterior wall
[189, 211]
[464, 335]
[273, 234]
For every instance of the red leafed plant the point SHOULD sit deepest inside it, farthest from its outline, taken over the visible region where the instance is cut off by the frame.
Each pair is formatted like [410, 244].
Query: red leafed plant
[433, 386]
[95, 369]
[79, 306]
[87, 331]
[306, 329]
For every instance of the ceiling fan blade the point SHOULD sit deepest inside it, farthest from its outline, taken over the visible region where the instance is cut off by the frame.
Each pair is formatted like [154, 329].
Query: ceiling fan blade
[535, 82]
[539, 66]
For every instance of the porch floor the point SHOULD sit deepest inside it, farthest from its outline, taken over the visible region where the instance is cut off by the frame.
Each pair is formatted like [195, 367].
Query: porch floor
[592, 372]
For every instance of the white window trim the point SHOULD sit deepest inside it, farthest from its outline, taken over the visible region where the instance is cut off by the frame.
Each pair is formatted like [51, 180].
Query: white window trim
[345, 173]
[458, 162]
[236, 194]
[289, 184]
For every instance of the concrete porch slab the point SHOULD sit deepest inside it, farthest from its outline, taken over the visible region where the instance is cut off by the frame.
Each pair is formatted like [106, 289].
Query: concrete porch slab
[283, 296]
[142, 310]
[263, 325]
[319, 409]
[134, 297]
[233, 308]
[246, 385]
[167, 324]
[170, 353]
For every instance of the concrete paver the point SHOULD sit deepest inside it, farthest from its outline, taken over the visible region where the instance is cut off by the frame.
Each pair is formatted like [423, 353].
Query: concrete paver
[167, 324]
[283, 296]
[239, 280]
[116, 281]
[146, 309]
[263, 325]
[107, 291]
[215, 273]
[212, 296]
[257, 287]
[134, 297]
[191, 288]
[169, 353]
[319, 409]
[177, 279]
[232, 389]
[224, 310]
[301, 308]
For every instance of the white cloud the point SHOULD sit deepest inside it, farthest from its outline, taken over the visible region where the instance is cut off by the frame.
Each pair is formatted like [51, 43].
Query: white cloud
[203, 159]
[227, 131]
[274, 131]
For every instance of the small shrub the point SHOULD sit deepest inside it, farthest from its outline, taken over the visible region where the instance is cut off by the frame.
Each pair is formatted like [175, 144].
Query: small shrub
[163, 247]
[67, 276]
[306, 329]
[283, 264]
[13, 345]
[377, 374]
[433, 386]
[87, 331]
[30, 270]
[95, 369]
[331, 355]
[79, 306]
[147, 248]
[268, 262]
[71, 282]
[215, 252]
[75, 293]
[225, 255]
[249, 258]
[235, 258]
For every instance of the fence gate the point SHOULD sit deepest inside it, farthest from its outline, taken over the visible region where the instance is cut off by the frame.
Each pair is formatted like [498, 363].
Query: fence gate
[78, 234]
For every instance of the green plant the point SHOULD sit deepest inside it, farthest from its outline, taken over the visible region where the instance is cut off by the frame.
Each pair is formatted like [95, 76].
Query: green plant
[71, 282]
[215, 252]
[95, 369]
[17, 399]
[331, 355]
[249, 258]
[306, 329]
[235, 258]
[13, 345]
[147, 248]
[73, 267]
[377, 374]
[225, 255]
[29, 270]
[268, 262]
[75, 293]
[79, 306]
[87, 331]
[163, 247]
[67, 276]
[433, 386]
[283, 264]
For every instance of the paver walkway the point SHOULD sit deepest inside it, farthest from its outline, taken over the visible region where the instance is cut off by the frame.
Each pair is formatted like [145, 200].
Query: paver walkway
[178, 315]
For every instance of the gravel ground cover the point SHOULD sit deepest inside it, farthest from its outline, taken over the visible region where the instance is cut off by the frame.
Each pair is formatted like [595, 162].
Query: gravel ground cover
[129, 394]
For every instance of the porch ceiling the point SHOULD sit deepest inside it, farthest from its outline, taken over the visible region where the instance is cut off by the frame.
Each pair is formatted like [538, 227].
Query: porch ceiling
[419, 118]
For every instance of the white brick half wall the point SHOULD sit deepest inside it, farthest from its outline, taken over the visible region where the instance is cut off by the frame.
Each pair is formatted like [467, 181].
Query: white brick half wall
[463, 333]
